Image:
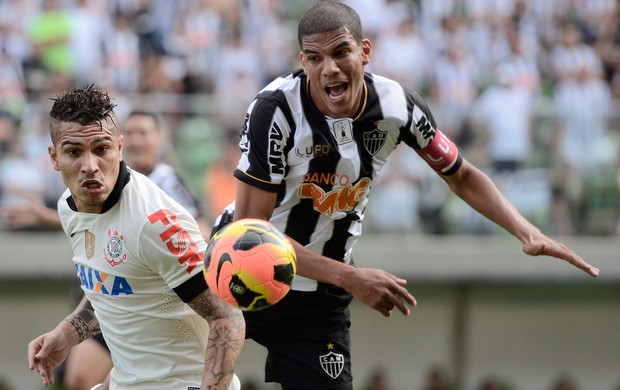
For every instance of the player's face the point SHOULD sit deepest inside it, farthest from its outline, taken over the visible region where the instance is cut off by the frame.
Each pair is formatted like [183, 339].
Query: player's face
[88, 158]
[334, 63]
[141, 143]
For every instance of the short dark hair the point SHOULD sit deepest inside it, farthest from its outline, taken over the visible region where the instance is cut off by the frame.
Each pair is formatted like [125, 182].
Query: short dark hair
[149, 114]
[84, 105]
[329, 15]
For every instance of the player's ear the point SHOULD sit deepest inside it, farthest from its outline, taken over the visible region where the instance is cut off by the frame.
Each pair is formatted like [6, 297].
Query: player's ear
[54, 157]
[366, 47]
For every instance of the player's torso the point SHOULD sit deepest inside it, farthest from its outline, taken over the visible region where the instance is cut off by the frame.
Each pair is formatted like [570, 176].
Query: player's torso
[141, 317]
[324, 168]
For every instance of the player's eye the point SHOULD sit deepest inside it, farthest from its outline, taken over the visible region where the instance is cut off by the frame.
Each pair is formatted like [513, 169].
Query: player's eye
[102, 149]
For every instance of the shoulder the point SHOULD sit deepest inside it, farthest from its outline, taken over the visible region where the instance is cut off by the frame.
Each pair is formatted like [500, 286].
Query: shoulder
[142, 197]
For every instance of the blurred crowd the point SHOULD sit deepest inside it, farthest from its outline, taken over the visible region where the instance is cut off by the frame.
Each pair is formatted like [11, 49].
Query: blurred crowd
[528, 89]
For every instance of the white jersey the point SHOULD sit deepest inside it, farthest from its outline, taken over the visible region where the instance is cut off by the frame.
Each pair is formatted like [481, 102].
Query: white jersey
[135, 262]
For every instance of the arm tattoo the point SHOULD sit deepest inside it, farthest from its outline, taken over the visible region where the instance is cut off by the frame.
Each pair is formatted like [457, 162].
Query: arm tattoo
[226, 335]
[84, 321]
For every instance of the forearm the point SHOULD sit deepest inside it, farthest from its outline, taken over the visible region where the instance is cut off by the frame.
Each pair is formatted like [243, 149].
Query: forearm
[83, 321]
[314, 266]
[226, 338]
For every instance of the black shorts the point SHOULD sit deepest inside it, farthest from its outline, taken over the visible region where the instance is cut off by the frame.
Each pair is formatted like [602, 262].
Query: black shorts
[307, 338]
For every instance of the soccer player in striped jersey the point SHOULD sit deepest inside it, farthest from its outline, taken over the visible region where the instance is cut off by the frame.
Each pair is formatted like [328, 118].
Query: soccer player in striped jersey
[313, 144]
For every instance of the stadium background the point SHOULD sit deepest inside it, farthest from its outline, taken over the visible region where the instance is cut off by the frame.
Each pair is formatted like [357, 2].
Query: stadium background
[486, 311]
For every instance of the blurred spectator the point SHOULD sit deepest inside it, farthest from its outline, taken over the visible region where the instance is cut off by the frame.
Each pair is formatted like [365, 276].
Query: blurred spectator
[19, 180]
[267, 28]
[49, 34]
[143, 145]
[564, 382]
[12, 84]
[583, 106]
[437, 380]
[503, 116]
[197, 37]
[90, 28]
[493, 383]
[122, 55]
[454, 86]
[411, 65]
[378, 380]
[220, 186]
[399, 187]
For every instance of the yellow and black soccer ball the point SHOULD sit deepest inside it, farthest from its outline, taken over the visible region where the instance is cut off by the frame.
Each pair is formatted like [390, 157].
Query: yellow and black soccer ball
[250, 264]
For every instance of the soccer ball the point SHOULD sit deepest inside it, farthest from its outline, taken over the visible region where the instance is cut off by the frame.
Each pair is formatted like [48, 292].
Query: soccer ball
[250, 264]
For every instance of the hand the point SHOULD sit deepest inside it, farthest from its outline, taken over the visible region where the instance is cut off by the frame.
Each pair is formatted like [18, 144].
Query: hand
[540, 244]
[32, 214]
[46, 352]
[380, 290]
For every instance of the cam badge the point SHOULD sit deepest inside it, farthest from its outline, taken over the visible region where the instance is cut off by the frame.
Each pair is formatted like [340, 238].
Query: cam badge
[332, 363]
[374, 140]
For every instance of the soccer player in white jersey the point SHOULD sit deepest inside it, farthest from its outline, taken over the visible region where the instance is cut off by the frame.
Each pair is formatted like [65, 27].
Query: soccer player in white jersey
[313, 143]
[138, 255]
[143, 138]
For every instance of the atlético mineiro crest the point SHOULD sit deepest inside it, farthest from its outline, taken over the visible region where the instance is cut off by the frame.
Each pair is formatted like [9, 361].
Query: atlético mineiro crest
[114, 251]
[332, 363]
[374, 140]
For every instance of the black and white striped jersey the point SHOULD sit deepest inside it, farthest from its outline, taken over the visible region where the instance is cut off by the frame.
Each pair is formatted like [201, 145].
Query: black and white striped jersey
[323, 168]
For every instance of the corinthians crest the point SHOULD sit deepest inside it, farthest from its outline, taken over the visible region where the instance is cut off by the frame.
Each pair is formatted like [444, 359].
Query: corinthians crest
[332, 363]
[114, 251]
[374, 140]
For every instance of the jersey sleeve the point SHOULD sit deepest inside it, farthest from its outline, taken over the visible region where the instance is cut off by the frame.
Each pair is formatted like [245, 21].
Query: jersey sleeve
[439, 152]
[264, 144]
[172, 246]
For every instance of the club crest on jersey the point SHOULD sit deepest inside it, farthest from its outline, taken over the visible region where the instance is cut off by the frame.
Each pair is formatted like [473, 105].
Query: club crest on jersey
[342, 131]
[332, 363]
[374, 140]
[114, 251]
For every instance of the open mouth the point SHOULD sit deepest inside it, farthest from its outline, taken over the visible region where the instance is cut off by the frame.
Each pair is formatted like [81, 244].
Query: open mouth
[337, 91]
[92, 185]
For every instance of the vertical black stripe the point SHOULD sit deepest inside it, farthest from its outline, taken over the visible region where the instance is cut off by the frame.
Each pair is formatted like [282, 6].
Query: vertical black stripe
[302, 219]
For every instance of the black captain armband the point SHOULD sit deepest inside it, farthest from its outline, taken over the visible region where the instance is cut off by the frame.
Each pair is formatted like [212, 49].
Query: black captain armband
[192, 287]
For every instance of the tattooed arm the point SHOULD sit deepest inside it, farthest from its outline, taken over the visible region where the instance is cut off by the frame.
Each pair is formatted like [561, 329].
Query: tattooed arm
[47, 351]
[226, 337]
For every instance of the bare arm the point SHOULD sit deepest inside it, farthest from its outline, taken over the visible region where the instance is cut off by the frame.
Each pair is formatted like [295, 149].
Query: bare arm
[376, 288]
[226, 337]
[47, 351]
[32, 214]
[477, 189]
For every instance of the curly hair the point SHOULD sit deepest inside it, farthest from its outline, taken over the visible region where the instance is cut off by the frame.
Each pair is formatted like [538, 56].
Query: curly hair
[86, 106]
